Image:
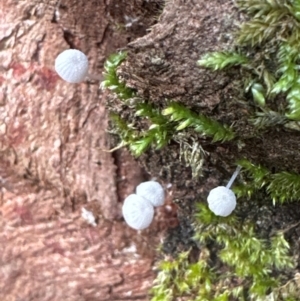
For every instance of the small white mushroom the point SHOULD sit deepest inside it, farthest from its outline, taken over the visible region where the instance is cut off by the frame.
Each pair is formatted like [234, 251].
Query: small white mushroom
[72, 65]
[222, 200]
[137, 212]
[151, 191]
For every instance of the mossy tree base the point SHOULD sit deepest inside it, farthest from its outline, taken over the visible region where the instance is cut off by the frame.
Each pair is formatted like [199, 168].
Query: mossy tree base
[162, 68]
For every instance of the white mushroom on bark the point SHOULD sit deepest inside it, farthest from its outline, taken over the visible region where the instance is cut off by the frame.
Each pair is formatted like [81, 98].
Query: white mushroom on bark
[137, 212]
[151, 191]
[221, 200]
[72, 65]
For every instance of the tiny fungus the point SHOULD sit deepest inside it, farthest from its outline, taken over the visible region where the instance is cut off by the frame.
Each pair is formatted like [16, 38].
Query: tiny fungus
[137, 212]
[151, 191]
[72, 65]
[221, 200]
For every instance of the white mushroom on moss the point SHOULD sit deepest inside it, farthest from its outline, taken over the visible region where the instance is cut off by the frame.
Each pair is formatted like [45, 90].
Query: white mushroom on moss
[137, 212]
[151, 191]
[222, 200]
[72, 65]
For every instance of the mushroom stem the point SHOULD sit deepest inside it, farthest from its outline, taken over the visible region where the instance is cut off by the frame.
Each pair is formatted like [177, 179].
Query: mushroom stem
[235, 174]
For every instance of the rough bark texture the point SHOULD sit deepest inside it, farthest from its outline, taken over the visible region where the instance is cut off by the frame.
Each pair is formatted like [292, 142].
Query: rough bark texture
[52, 163]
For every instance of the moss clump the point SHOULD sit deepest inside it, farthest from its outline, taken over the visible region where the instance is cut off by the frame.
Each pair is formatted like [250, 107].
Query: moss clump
[221, 60]
[202, 124]
[282, 186]
[234, 263]
[160, 125]
[157, 135]
[111, 80]
[274, 31]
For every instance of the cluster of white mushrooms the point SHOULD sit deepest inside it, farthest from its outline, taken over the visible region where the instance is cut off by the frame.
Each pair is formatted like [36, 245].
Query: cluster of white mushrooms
[138, 208]
[222, 200]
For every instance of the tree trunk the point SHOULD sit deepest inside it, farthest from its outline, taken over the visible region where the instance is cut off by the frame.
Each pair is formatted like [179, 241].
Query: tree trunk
[52, 135]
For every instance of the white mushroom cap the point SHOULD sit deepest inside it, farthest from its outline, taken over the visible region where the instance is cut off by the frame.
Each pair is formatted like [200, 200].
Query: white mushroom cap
[221, 201]
[72, 65]
[137, 212]
[151, 191]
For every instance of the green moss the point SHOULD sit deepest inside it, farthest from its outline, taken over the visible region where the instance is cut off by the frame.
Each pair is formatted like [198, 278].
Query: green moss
[157, 135]
[246, 267]
[179, 277]
[202, 124]
[221, 60]
[281, 187]
[160, 125]
[274, 30]
[111, 80]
